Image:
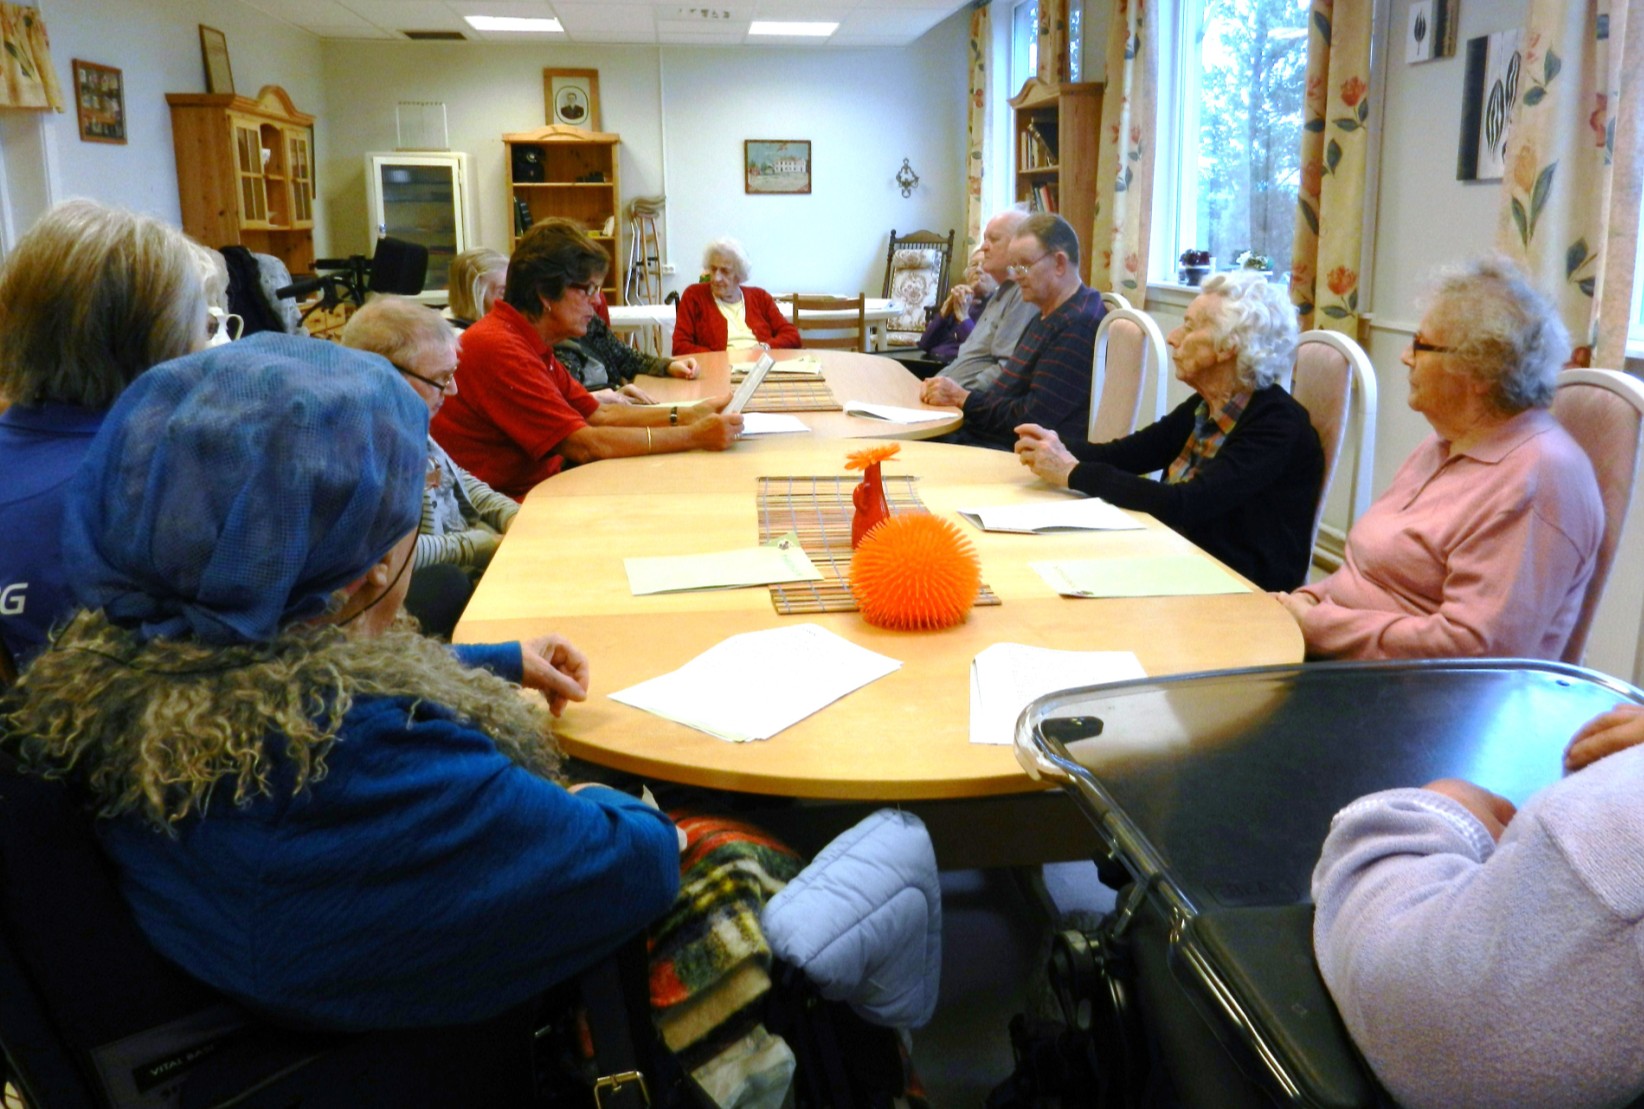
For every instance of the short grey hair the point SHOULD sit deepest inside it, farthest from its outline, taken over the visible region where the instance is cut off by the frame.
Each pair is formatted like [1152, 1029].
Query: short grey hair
[468, 269]
[1258, 317]
[213, 274]
[400, 329]
[1503, 330]
[91, 297]
[727, 247]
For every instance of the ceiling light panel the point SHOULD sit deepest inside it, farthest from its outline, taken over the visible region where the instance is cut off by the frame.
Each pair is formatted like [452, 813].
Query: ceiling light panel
[515, 24]
[791, 29]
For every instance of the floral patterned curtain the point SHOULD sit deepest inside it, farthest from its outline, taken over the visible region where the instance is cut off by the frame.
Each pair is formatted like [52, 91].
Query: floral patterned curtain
[1330, 203]
[1570, 196]
[1124, 197]
[30, 78]
[1053, 42]
[976, 118]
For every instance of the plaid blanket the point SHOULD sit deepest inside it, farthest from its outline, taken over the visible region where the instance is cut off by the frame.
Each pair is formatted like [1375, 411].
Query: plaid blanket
[709, 959]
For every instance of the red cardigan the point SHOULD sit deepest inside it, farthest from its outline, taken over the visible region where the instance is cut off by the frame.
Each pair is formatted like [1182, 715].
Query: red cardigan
[699, 327]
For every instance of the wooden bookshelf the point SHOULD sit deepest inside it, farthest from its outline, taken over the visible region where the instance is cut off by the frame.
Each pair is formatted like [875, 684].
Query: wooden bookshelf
[566, 154]
[1055, 128]
[245, 173]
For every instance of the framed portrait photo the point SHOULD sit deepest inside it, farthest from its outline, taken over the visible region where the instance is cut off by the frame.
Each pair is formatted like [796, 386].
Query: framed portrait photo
[776, 166]
[100, 102]
[214, 49]
[572, 97]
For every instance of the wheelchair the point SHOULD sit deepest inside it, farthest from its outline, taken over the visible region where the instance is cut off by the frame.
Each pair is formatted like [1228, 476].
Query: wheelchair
[1210, 796]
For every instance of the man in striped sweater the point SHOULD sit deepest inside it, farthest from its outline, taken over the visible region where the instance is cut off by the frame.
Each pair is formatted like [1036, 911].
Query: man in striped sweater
[1047, 381]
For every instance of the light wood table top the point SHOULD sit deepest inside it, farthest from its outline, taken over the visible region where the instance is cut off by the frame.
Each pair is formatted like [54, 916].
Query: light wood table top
[850, 376]
[903, 737]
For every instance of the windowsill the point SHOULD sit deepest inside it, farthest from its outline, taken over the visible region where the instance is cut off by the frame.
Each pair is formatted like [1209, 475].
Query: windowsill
[1170, 294]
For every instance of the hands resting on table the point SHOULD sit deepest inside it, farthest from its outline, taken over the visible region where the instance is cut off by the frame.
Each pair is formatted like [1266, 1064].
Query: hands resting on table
[554, 668]
[1603, 735]
[633, 394]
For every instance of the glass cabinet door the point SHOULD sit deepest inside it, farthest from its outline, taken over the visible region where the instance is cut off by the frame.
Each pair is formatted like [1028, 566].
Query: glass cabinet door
[421, 198]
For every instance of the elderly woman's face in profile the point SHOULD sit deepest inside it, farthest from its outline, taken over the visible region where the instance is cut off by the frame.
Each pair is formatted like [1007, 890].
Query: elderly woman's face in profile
[1439, 390]
[722, 278]
[569, 315]
[488, 288]
[1199, 352]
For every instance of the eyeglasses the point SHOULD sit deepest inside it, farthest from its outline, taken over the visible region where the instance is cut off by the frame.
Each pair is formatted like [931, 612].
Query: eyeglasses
[1017, 272]
[1418, 345]
[442, 383]
[589, 289]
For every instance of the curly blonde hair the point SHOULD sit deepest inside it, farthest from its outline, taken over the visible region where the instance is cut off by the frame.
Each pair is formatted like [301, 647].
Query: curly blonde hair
[153, 728]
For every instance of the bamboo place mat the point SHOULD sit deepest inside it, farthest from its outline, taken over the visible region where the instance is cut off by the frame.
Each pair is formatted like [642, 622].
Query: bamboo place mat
[808, 395]
[819, 511]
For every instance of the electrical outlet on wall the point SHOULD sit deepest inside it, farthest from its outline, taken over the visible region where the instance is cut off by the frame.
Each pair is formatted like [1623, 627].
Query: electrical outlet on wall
[667, 269]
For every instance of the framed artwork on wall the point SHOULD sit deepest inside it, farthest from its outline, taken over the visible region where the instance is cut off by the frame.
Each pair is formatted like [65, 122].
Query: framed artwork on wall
[1430, 31]
[776, 166]
[214, 49]
[1489, 93]
[572, 97]
[100, 101]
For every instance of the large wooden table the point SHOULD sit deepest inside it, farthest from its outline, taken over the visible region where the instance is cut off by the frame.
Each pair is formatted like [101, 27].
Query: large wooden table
[850, 377]
[903, 737]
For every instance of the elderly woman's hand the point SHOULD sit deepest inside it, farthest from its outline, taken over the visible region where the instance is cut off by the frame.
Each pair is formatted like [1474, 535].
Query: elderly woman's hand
[1296, 604]
[1613, 731]
[635, 394]
[943, 392]
[609, 396]
[682, 367]
[556, 669]
[1041, 451]
[1493, 811]
[958, 303]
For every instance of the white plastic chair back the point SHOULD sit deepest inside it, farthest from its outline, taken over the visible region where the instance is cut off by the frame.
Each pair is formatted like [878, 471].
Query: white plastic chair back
[1128, 345]
[1334, 380]
[1603, 410]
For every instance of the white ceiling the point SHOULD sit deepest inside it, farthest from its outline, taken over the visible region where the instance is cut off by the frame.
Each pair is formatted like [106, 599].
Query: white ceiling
[861, 22]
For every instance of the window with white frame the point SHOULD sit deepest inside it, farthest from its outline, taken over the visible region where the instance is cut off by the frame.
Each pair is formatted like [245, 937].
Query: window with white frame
[1232, 78]
[1024, 43]
[1635, 333]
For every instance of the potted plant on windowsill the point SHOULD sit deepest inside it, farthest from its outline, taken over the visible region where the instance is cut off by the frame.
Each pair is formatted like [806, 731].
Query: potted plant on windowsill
[1196, 266]
[1250, 260]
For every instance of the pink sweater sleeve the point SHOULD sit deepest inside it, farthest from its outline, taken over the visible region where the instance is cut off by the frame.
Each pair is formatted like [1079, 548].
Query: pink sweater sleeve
[1503, 586]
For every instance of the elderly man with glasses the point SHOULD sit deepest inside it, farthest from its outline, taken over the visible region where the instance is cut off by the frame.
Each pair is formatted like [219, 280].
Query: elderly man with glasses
[1047, 380]
[521, 416]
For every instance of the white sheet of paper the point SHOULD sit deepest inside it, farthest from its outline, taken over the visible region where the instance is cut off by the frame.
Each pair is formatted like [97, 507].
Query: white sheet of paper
[1006, 676]
[753, 685]
[1170, 576]
[772, 423]
[806, 365]
[1084, 514]
[720, 569]
[745, 391]
[892, 413]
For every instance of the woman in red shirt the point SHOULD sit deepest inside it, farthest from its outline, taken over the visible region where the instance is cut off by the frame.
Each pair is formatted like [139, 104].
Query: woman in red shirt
[724, 314]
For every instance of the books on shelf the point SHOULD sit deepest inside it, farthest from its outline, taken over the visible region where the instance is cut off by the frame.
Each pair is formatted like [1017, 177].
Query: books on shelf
[1036, 147]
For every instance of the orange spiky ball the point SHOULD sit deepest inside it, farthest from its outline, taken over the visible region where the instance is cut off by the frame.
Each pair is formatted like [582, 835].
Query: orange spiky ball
[915, 572]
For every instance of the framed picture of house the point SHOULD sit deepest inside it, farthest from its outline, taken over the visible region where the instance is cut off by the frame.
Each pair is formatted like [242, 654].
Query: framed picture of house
[572, 97]
[214, 49]
[776, 166]
[100, 101]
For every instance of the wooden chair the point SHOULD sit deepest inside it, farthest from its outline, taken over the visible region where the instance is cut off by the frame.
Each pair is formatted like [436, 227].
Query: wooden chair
[1331, 370]
[916, 277]
[1603, 410]
[831, 325]
[1128, 346]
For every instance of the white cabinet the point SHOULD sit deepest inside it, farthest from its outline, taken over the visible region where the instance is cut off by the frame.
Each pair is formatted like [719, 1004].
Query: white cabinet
[422, 198]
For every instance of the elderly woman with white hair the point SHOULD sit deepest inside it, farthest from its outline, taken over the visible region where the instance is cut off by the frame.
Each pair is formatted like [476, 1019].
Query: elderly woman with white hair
[1241, 460]
[1485, 541]
[724, 314]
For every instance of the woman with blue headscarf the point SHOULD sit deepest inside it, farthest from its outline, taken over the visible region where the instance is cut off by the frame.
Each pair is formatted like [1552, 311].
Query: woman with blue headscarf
[312, 807]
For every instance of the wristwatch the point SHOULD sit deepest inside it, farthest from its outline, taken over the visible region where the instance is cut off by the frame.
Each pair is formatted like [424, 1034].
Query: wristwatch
[673, 416]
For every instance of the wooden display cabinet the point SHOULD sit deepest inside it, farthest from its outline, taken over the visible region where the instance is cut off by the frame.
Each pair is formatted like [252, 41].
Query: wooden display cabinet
[549, 173]
[245, 173]
[1056, 129]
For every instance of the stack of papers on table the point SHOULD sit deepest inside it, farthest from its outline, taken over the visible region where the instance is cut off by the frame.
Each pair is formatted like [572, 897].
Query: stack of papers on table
[753, 685]
[1006, 676]
[782, 559]
[1170, 576]
[805, 365]
[894, 414]
[772, 423]
[1085, 514]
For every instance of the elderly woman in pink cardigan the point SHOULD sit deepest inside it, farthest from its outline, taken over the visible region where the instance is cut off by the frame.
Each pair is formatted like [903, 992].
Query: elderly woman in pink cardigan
[1485, 541]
